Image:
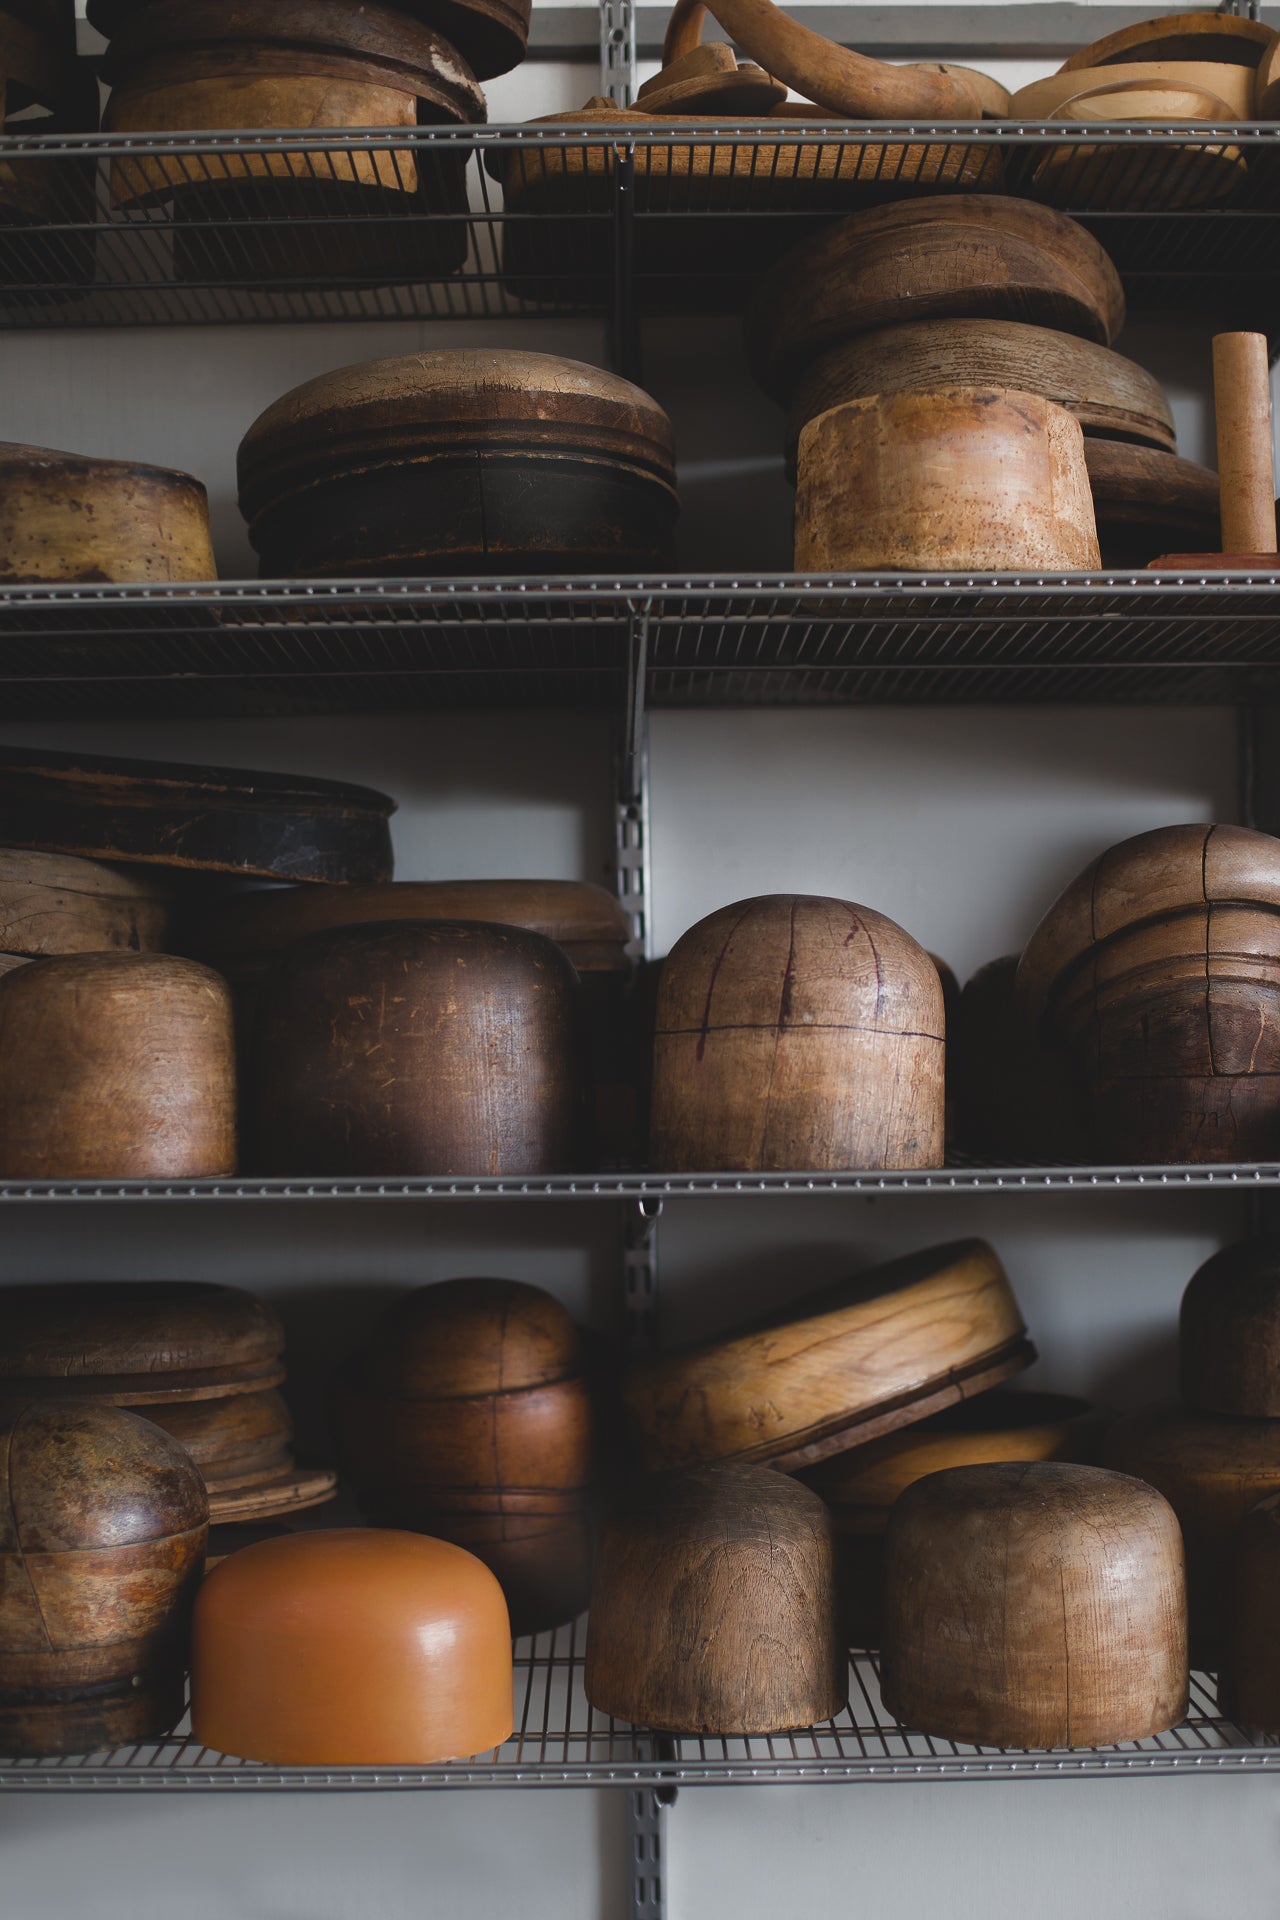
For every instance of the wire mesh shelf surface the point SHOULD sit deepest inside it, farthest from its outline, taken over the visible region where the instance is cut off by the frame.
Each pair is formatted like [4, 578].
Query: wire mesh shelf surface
[560, 1740]
[470, 222]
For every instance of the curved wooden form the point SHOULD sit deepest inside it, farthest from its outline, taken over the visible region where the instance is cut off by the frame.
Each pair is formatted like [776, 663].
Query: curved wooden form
[1177, 37]
[460, 460]
[1111, 397]
[884, 1350]
[710, 80]
[1097, 178]
[1157, 972]
[242, 1440]
[713, 1609]
[1232, 83]
[978, 478]
[1250, 1680]
[116, 1066]
[1147, 502]
[1212, 1471]
[794, 1031]
[65, 517]
[1229, 1332]
[1034, 1605]
[820, 70]
[51, 903]
[351, 1647]
[293, 1490]
[975, 256]
[268, 826]
[102, 1545]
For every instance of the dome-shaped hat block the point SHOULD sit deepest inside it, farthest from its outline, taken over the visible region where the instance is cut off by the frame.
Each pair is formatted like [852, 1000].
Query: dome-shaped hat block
[471, 1418]
[1034, 1605]
[713, 1609]
[439, 1047]
[116, 1066]
[1158, 973]
[355, 1647]
[796, 1032]
[102, 1541]
[1229, 1332]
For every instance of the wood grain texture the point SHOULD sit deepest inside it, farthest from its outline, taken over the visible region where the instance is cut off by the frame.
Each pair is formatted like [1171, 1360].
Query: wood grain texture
[1242, 406]
[1034, 1605]
[269, 826]
[137, 1342]
[1177, 37]
[1249, 1685]
[883, 1350]
[1229, 1332]
[1157, 972]
[1231, 81]
[351, 1646]
[1153, 180]
[1212, 1470]
[51, 903]
[795, 1031]
[977, 256]
[1014, 1097]
[713, 1609]
[984, 478]
[64, 517]
[430, 1048]
[241, 1440]
[103, 1522]
[454, 461]
[1146, 501]
[1110, 396]
[116, 1066]
[709, 79]
[295, 1489]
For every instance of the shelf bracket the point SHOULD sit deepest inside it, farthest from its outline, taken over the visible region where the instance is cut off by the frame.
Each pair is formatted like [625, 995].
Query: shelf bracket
[618, 51]
[631, 807]
[647, 1835]
[640, 1277]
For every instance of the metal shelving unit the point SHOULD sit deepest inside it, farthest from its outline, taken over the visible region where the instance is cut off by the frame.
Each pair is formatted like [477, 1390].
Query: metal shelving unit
[560, 1741]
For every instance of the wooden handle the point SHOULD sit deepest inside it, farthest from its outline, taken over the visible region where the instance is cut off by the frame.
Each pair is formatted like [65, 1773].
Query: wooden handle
[832, 76]
[1242, 399]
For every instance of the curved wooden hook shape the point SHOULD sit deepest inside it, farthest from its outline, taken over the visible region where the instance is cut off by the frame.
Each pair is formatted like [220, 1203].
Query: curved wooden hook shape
[831, 76]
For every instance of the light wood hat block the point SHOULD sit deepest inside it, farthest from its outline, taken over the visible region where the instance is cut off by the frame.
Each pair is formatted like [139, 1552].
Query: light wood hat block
[975, 256]
[116, 1066]
[53, 903]
[1034, 1604]
[713, 1609]
[1091, 178]
[979, 478]
[884, 1350]
[1249, 1685]
[1155, 971]
[795, 1031]
[67, 517]
[1178, 37]
[1230, 81]
[351, 1647]
[1229, 1332]
[102, 1545]
[1147, 501]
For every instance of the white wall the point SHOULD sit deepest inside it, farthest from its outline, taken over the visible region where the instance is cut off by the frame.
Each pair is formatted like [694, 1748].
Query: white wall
[963, 825]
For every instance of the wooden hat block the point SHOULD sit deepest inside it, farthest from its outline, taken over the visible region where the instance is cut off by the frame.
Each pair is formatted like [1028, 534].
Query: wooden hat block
[102, 1544]
[1034, 1605]
[1249, 1684]
[1229, 1332]
[713, 1609]
[1242, 404]
[351, 1647]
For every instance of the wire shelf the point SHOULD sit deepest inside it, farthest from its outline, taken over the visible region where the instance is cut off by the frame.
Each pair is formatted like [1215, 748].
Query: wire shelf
[475, 222]
[561, 1741]
[282, 647]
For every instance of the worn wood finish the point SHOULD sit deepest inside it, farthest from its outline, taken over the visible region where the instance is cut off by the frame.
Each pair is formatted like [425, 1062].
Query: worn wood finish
[881, 1351]
[979, 478]
[431, 1048]
[51, 903]
[1014, 1098]
[1034, 1604]
[794, 1031]
[1266, 99]
[820, 70]
[975, 256]
[8, 961]
[1242, 406]
[713, 1610]
[1229, 1331]
[709, 79]
[102, 1541]
[457, 461]
[1168, 180]
[1232, 82]
[116, 1066]
[294, 1490]
[64, 517]
[137, 1342]
[241, 1440]
[1212, 1470]
[1249, 1685]
[1146, 501]
[270, 826]
[1175, 37]
[1158, 973]
[471, 1418]
[1110, 396]
[351, 1647]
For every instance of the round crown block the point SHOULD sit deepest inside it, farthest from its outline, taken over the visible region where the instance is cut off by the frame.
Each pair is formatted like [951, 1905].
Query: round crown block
[116, 1066]
[1229, 1332]
[355, 1647]
[438, 1047]
[1034, 1605]
[64, 517]
[51, 903]
[713, 1609]
[797, 1032]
